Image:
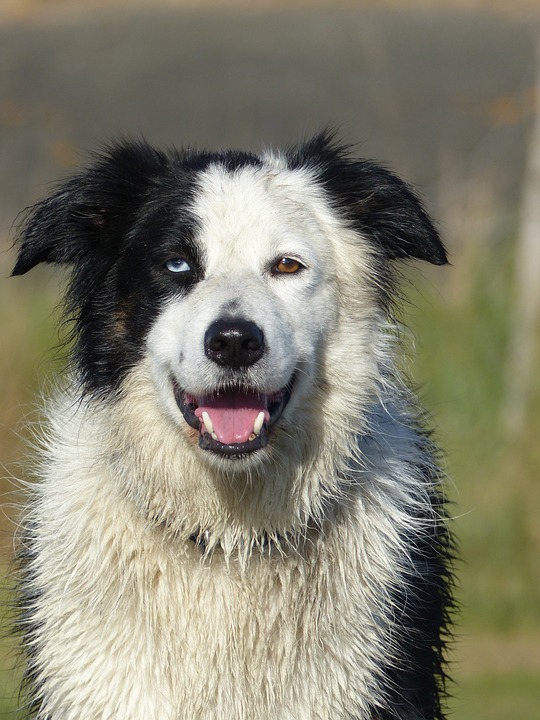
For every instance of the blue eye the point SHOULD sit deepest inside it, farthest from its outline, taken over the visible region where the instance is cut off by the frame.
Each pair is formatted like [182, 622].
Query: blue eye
[178, 265]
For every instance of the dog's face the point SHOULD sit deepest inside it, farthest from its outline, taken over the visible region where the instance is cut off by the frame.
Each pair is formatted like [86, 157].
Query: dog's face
[251, 300]
[225, 273]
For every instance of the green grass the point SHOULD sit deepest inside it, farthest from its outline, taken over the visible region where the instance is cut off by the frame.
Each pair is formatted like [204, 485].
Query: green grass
[9, 674]
[498, 696]
[461, 360]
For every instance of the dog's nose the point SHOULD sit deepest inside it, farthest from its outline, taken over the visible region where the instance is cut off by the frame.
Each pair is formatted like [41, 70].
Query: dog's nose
[234, 343]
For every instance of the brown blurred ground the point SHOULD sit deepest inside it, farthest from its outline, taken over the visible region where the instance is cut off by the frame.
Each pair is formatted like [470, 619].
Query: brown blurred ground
[27, 8]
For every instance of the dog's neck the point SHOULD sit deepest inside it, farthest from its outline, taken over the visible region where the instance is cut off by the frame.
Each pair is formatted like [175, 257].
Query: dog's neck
[264, 543]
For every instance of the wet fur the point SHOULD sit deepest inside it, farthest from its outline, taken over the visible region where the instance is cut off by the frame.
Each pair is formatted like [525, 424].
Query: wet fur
[307, 580]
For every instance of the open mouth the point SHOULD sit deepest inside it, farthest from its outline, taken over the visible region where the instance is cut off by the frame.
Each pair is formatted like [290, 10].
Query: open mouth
[233, 422]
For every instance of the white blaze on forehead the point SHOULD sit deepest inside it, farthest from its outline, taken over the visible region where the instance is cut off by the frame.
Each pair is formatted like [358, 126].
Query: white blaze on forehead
[252, 215]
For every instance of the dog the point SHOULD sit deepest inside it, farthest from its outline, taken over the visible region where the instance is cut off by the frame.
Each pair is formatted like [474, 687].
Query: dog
[238, 513]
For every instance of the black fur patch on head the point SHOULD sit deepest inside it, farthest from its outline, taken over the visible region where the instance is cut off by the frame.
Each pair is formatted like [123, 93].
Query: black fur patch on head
[116, 224]
[375, 202]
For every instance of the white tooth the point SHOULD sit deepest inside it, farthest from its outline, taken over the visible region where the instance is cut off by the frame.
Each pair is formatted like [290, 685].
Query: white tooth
[214, 436]
[207, 422]
[259, 422]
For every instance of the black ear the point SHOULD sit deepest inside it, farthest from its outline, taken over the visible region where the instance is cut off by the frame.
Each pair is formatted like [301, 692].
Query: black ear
[58, 229]
[375, 202]
[89, 210]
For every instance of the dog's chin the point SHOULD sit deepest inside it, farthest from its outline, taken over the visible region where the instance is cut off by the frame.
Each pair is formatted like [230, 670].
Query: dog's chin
[233, 422]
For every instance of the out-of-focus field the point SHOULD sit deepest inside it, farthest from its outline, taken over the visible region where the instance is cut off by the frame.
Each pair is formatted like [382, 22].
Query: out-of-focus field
[462, 358]
[441, 92]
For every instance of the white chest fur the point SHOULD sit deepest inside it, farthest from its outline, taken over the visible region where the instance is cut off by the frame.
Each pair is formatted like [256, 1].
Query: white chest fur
[133, 622]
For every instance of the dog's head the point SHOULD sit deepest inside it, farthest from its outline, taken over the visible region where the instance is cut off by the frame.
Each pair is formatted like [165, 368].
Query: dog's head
[231, 275]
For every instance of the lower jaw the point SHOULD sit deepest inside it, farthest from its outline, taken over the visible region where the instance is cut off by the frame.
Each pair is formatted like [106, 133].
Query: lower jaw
[236, 450]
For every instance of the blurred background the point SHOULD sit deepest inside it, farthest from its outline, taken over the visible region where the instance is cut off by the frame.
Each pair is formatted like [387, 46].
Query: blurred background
[445, 92]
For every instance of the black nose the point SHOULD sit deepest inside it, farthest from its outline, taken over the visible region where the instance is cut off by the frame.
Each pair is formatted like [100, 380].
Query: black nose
[234, 343]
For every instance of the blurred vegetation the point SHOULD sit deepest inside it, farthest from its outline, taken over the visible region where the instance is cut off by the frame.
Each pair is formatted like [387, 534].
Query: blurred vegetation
[461, 362]
[28, 320]
[459, 359]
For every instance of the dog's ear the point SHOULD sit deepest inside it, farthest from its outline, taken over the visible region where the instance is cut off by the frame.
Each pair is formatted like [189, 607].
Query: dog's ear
[376, 202]
[90, 211]
[60, 228]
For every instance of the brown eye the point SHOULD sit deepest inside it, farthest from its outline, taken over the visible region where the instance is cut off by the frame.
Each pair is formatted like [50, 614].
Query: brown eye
[286, 265]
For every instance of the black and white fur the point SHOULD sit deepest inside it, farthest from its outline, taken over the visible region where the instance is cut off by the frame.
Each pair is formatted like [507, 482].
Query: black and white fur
[175, 570]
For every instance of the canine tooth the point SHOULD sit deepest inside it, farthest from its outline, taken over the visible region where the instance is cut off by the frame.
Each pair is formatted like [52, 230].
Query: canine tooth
[207, 422]
[214, 436]
[259, 422]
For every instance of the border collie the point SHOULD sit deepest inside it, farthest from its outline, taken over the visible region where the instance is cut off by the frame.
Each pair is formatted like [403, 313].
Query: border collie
[237, 513]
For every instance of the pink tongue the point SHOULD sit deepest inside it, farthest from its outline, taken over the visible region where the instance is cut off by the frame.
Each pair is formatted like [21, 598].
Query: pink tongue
[233, 415]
